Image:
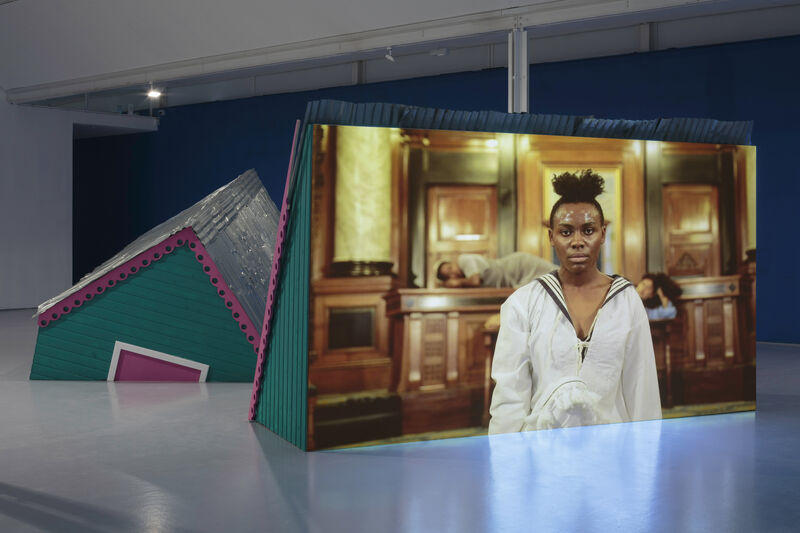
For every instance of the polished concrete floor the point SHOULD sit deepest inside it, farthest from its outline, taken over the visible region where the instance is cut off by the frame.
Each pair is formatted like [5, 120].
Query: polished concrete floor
[97, 457]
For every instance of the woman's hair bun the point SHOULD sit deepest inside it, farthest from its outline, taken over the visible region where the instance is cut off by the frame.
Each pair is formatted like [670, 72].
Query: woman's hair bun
[583, 187]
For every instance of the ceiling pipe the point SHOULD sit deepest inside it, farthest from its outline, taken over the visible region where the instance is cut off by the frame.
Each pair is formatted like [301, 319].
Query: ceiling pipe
[518, 69]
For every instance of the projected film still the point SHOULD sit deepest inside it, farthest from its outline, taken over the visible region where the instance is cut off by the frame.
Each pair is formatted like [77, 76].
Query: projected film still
[472, 283]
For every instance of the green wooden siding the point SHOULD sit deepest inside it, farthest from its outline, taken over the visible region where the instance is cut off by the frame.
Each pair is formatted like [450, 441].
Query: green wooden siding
[283, 397]
[170, 307]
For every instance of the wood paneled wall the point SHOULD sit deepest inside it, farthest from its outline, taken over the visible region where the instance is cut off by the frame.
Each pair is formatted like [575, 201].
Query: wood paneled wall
[494, 186]
[323, 213]
[707, 353]
[689, 176]
[336, 370]
[358, 366]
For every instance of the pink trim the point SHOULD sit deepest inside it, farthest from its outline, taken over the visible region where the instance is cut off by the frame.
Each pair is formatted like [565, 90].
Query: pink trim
[223, 290]
[185, 237]
[273, 282]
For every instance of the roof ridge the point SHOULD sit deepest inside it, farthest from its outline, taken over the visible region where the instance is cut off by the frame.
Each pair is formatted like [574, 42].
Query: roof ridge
[243, 190]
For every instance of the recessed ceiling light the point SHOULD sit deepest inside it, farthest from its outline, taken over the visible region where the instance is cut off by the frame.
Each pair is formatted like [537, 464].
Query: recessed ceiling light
[154, 93]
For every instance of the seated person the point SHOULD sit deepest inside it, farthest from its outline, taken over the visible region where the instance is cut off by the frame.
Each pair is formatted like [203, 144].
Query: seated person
[658, 291]
[475, 270]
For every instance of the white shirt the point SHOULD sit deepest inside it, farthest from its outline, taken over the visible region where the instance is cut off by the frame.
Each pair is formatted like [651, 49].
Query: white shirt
[547, 377]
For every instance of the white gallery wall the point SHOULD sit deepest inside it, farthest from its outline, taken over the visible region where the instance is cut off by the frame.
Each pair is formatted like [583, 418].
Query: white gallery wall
[35, 205]
[36, 198]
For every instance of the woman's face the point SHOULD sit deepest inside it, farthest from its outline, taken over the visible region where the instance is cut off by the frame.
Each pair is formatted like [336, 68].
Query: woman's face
[645, 289]
[577, 236]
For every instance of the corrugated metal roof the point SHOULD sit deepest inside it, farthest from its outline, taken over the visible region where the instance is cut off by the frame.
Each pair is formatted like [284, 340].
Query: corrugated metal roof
[697, 130]
[403, 116]
[616, 129]
[237, 224]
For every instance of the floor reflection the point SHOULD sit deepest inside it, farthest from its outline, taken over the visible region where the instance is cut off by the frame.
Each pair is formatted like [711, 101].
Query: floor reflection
[150, 457]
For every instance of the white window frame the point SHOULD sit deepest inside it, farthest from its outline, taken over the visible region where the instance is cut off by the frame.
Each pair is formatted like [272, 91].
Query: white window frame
[180, 361]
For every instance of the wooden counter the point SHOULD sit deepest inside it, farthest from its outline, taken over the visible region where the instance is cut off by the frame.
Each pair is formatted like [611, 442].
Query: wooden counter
[438, 354]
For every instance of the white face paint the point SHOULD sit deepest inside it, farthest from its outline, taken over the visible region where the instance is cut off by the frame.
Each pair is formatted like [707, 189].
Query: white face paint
[568, 213]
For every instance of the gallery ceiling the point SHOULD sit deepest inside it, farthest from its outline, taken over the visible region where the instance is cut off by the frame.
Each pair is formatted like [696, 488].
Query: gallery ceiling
[104, 54]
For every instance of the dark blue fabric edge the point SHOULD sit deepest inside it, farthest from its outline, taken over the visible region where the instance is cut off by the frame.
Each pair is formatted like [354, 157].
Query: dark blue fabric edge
[696, 130]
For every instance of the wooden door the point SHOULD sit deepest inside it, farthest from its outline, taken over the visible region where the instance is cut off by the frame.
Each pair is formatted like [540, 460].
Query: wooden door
[461, 219]
[691, 230]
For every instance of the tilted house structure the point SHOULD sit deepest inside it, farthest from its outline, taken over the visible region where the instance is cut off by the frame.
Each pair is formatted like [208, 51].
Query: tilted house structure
[183, 302]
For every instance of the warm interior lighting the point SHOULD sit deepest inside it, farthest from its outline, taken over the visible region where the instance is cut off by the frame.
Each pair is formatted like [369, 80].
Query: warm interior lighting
[492, 143]
[468, 237]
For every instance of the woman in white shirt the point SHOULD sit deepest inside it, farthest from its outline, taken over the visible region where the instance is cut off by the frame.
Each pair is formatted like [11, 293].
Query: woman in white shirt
[574, 346]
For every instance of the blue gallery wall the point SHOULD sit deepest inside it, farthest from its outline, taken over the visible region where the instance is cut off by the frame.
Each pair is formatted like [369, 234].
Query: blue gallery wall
[125, 185]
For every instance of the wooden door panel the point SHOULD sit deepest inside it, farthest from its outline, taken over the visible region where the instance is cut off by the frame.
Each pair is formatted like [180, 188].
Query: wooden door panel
[690, 210]
[472, 347]
[691, 230]
[461, 219]
[463, 216]
[689, 259]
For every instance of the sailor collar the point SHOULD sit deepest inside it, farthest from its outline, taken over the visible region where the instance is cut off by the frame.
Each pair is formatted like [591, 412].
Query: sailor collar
[552, 285]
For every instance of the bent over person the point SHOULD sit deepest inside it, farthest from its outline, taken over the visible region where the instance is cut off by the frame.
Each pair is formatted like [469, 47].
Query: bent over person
[574, 346]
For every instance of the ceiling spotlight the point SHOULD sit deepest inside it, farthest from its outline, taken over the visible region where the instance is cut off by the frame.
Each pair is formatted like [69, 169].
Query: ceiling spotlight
[389, 55]
[153, 92]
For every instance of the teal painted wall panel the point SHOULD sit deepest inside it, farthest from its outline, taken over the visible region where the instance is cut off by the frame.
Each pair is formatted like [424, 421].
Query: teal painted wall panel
[283, 397]
[170, 306]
